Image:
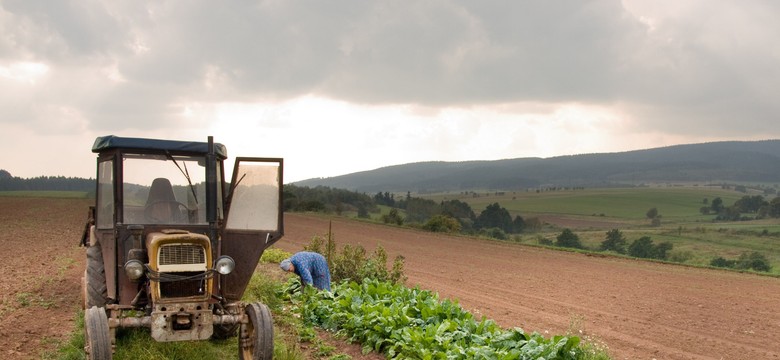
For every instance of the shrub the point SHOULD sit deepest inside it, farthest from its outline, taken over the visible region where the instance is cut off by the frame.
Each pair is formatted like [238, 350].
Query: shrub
[644, 248]
[495, 233]
[680, 256]
[393, 218]
[721, 262]
[753, 260]
[442, 223]
[568, 239]
[274, 255]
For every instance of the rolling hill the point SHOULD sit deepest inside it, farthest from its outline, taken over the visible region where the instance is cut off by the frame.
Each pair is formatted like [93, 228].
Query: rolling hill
[715, 162]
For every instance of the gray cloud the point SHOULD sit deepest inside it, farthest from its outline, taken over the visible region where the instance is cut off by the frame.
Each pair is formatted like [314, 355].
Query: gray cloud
[710, 70]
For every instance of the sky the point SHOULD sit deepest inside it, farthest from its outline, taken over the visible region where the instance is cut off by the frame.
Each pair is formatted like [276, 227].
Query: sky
[336, 87]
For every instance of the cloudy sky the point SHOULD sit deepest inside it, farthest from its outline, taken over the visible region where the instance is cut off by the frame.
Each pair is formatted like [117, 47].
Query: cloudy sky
[337, 87]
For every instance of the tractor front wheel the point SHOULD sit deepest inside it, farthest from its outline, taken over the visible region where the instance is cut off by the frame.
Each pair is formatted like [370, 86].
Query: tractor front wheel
[256, 338]
[97, 336]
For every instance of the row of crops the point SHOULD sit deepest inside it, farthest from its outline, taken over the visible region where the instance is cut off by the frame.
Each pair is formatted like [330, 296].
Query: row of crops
[406, 323]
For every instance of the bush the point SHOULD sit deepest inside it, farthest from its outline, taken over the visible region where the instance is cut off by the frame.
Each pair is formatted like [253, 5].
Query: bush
[354, 264]
[753, 260]
[274, 255]
[568, 239]
[680, 256]
[721, 262]
[644, 248]
[746, 261]
[495, 233]
[442, 223]
[393, 218]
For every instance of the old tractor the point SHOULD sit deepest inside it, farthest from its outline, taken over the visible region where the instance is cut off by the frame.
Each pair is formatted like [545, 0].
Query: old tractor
[171, 246]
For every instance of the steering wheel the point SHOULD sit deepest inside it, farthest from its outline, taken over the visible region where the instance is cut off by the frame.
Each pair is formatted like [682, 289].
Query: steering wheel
[166, 212]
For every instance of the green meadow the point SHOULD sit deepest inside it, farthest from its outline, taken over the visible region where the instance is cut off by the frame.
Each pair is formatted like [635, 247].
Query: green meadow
[590, 213]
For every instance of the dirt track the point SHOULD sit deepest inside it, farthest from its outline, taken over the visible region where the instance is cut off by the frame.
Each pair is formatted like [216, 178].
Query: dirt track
[641, 310]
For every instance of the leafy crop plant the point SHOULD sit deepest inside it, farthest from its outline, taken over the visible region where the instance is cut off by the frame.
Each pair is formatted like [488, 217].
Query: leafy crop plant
[406, 323]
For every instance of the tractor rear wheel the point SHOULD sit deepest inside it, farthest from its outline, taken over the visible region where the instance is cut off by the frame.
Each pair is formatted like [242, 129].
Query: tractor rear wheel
[95, 292]
[256, 339]
[97, 336]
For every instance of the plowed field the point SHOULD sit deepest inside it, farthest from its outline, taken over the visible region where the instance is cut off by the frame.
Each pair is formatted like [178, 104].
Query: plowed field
[640, 310]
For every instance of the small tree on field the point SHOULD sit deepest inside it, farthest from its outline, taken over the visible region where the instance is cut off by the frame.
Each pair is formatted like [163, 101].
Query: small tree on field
[654, 216]
[568, 239]
[615, 241]
[642, 247]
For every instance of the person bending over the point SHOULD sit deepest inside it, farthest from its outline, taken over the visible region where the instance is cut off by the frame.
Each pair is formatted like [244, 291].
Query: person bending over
[311, 267]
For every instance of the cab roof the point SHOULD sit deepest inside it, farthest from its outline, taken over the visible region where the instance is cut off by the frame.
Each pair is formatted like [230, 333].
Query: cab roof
[111, 142]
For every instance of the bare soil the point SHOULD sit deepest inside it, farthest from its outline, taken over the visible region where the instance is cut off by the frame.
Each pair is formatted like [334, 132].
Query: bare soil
[639, 309]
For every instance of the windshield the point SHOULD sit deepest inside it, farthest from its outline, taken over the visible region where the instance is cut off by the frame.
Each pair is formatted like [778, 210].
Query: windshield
[164, 189]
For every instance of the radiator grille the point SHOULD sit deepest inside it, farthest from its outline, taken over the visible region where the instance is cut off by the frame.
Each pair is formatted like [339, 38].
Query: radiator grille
[180, 254]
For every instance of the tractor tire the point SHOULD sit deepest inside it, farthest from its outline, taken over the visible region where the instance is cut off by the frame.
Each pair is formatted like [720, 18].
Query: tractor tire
[95, 292]
[97, 338]
[256, 340]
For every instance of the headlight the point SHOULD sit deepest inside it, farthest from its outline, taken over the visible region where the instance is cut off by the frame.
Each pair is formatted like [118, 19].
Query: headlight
[225, 265]
[134, 269]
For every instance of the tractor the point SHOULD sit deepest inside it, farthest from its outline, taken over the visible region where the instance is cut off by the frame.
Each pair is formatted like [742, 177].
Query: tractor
[171, 246]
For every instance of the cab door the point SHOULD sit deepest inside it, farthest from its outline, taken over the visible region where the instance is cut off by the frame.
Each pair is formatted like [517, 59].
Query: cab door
[253, 220]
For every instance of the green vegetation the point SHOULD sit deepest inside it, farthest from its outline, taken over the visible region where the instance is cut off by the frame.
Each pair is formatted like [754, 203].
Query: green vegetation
[737, 219]
[409, 323]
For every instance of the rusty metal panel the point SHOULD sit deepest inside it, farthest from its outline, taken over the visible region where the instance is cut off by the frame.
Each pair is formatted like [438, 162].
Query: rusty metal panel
[245, 248]
[182, 321]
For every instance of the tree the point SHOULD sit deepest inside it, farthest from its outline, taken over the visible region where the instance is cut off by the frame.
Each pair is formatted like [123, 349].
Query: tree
[749, 204]
[642, 248]
[774, 207]
[568, 239]
[716, 205]
[419, 210]
[652, 213]
[518, 224]
[5, 174]
[615, 241]
[494, 216]
[654, 216]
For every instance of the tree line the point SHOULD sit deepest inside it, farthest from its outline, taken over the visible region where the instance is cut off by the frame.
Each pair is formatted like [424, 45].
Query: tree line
[756, 206]
[45, 183]
[451, 216]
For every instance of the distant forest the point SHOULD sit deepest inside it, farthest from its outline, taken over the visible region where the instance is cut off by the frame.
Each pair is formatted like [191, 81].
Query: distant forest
[45, 183]
[708, 163]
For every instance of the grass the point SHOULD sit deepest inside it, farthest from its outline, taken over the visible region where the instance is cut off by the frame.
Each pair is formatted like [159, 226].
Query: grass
[138, 343]
[697, 238]
[679, 203]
